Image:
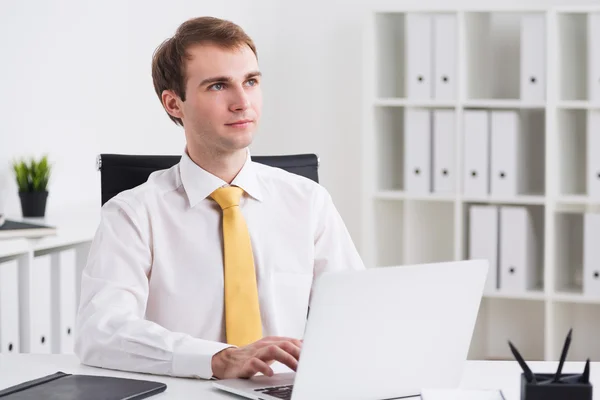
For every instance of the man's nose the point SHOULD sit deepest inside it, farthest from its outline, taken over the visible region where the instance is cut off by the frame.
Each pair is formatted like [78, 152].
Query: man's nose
[240, 100]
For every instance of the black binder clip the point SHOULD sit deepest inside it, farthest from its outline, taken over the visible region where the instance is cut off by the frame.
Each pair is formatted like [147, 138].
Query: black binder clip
[557, 386]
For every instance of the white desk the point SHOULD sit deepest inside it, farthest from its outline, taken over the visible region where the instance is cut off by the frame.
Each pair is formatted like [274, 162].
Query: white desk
[505, 375]
[71, 233]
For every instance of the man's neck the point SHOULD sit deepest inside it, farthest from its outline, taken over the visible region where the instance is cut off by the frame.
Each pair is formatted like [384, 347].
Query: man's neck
[225, 166]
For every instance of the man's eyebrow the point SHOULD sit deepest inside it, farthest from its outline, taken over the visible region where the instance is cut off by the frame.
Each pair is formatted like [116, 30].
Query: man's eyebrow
[215, 79]
[253, 74]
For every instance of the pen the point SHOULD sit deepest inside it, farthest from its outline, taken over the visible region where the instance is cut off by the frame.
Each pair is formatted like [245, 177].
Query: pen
[563, 356]
[528, 374]
[585, 377]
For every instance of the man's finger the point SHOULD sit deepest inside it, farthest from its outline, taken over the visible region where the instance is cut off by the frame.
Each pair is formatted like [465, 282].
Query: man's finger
[254, 366]
[272, 339]
[290, 348]
[276, 353]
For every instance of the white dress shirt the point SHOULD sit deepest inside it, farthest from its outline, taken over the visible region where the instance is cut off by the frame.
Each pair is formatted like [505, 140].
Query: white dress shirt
[152, 291]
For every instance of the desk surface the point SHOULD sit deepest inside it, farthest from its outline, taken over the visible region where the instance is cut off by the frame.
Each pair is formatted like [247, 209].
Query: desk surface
[503, 375]
[69, 233]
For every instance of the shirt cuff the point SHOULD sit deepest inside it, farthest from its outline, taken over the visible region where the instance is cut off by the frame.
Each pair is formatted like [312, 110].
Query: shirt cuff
[193, 357]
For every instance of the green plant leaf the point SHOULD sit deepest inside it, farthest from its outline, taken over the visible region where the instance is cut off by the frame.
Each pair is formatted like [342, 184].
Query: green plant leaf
[32, 176]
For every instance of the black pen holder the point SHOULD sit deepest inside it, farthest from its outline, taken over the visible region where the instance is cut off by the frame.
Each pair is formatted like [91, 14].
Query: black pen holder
[567, 388]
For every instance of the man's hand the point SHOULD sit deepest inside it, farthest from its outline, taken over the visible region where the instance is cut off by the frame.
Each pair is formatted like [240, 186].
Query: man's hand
[245, 362]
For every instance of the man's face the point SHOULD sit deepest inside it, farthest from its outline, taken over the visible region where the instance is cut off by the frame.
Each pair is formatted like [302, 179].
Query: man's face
[223, 98]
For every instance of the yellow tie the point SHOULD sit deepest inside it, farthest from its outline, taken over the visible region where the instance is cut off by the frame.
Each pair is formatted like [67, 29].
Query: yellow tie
[242, 312]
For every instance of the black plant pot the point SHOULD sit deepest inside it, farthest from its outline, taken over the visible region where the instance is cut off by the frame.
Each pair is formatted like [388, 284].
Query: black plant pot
[33, 204]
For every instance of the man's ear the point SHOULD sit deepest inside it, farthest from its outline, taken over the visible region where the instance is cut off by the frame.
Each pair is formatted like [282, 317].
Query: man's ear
[172, 103]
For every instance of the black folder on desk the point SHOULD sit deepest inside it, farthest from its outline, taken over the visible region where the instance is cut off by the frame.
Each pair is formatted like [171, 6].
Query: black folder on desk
[62, 386]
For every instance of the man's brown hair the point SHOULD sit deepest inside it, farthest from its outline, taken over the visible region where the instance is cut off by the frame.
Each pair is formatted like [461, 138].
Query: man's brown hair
[168, 61]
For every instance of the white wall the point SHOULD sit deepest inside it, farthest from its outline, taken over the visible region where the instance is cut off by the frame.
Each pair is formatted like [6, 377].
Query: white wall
[75, 82]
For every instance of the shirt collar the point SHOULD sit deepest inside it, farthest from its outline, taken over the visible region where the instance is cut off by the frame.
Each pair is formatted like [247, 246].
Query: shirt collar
[199, 183]
[247, 179]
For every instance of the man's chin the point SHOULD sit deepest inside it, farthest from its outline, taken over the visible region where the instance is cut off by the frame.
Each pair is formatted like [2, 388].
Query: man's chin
[239, 141]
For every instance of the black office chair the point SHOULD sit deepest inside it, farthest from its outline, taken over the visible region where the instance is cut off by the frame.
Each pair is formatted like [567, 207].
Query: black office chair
[119, 172]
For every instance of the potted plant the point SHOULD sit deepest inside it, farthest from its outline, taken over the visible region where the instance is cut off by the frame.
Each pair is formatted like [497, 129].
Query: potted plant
[32, 180]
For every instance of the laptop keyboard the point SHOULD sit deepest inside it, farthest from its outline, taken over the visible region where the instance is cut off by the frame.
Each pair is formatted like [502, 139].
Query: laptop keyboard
[281, 392]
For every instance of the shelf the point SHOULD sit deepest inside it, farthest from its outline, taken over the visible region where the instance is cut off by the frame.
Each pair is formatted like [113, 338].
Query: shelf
[400, 195]
[578, 105]
[572, 141]
[401, 102]
[389, 237]
[574, 295]
[575, 105]
[390, 195]
[576, 9]
[522, 199]
[577, 208]
[495, 44]
[431, 197]
[502, 104]
[534, 295]
[568, 252]
[584, 319]
[500, 319]
[572, 54]
[389, 47]
[389, 148]
[575, 54]
[431, 227]
[575, 199]
[503, 60]
[469, 9]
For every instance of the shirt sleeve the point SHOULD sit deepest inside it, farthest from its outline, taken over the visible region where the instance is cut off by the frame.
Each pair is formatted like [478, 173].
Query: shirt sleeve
[111, 329]
[334, 248]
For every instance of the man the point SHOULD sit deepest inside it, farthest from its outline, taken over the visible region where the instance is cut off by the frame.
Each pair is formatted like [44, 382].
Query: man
[206, 270]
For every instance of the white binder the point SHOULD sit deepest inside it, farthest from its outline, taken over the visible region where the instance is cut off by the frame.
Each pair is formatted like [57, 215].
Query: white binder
[533, 57]
[594, 57]
[419, 32]
[506, 154]
[444, 151]
[63, 301]
[476, 167]
[518, 259]
[445, 47]
[9, 307]
[37, 311]
[591, 255]
[593, 154]
[417, 151]
[483, 241]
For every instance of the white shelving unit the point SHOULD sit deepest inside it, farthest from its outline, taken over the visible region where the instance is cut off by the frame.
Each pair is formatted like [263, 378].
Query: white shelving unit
[39, 287]
[402, 227]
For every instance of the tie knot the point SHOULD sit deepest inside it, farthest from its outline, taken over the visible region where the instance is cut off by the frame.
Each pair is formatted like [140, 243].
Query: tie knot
[228, 196]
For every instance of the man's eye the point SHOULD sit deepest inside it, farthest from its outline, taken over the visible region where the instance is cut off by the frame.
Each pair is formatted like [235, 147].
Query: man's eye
[217, 86]
[252, 82]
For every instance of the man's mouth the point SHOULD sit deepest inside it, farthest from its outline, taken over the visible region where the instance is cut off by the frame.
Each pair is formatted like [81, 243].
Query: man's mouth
[240, 124]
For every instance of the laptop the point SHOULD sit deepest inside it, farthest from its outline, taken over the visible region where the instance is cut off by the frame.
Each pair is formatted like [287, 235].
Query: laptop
[380, 333]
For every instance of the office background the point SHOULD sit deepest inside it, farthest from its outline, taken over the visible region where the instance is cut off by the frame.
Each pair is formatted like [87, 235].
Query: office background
[76, 82]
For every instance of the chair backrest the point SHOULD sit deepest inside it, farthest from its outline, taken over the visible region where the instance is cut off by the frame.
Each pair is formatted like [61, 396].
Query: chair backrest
[119, 172]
